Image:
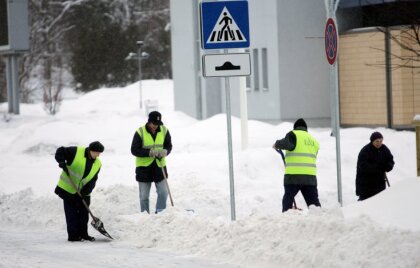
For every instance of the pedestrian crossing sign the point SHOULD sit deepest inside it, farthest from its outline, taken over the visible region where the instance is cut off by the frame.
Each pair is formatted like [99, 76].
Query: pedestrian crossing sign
[224, 24]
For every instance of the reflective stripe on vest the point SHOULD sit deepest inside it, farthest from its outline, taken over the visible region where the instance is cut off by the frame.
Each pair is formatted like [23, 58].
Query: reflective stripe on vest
[76, 170]
[302, 160]
[149, 143]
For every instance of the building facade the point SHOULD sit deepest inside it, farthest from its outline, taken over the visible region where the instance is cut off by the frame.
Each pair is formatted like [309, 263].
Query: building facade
[379, 62]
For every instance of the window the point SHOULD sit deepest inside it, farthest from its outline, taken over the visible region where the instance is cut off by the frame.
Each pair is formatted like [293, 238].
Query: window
[248, 77]
[256, 70]
[4, 31]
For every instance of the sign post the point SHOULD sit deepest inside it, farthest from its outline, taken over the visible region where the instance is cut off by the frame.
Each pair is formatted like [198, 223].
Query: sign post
[331, 51]
[224, 25]
[14, 41]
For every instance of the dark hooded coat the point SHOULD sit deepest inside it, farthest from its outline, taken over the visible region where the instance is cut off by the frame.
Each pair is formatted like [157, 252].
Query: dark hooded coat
[372, 164]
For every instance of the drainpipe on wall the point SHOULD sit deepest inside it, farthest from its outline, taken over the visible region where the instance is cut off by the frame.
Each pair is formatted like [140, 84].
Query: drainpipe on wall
[388, 74]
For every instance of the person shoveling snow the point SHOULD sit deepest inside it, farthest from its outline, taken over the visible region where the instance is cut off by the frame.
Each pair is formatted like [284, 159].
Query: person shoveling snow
[80, 172]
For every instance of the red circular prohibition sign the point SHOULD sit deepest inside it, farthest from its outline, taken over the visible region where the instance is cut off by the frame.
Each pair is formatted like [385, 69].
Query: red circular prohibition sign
[331, 41]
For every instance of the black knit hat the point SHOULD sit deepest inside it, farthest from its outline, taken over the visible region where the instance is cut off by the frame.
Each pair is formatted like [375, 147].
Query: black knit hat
[300, 123]
[375, 135]
[96, 146]
[155, 117]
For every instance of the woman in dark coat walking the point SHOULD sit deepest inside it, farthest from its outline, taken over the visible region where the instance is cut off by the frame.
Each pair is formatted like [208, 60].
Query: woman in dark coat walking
[374, 160]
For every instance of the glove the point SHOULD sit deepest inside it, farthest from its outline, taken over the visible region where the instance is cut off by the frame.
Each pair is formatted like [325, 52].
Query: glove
[63, 165]
[153, 153]
[162, 153]
[277, 145]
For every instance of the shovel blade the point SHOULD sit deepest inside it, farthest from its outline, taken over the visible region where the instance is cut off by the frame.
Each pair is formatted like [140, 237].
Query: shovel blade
[99, 226]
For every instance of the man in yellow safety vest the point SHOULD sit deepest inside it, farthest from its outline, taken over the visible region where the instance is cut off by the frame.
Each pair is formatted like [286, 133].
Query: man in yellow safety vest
[80, 169]
[150, 145]
[300, 160]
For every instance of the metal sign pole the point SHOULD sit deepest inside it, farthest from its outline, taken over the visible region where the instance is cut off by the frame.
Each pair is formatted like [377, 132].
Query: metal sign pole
[230, 151]
[15, 83]
[332, 101]
[234, 33]
[336, 112]
[13, 91]
[337, 122]
[244, 112]
[335, 105]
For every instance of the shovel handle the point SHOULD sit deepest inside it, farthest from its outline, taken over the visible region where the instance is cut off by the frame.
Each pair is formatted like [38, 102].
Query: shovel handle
[80, 195]
[387, 181]
[167, 186]
[281, 153]
[96, 222]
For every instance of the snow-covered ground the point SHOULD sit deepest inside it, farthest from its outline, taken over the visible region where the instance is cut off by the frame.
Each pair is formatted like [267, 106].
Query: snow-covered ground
[383, 231]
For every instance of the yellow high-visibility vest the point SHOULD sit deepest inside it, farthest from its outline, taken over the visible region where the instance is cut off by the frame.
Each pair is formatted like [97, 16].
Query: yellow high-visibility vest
[149, 143]
[302, 160]
[76, 170]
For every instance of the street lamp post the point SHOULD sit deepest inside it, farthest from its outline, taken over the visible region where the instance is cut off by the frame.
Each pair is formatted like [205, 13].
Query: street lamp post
[139, 56]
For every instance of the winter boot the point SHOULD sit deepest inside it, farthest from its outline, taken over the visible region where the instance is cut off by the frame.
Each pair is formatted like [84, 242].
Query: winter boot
[88, 238]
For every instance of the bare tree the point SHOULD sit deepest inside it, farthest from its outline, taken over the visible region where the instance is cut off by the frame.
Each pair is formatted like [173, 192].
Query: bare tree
[400, 23]
[408, 39]
[45, 60]
[41, 70]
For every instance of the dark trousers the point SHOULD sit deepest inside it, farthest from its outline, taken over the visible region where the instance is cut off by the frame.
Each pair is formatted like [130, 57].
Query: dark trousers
[309, 192]
[77, 218]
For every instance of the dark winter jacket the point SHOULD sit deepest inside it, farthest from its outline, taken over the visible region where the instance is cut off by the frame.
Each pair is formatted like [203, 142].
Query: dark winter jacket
[289, 143]
[152, 173]
[372, 164]
[67, 154]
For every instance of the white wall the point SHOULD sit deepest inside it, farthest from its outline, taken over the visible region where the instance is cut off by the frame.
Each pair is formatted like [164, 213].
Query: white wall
[304, 71]
[185, 58]
[263, 103]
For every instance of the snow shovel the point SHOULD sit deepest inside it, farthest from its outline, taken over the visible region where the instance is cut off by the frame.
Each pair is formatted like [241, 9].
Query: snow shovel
[284, 162]
[96, 222]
